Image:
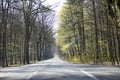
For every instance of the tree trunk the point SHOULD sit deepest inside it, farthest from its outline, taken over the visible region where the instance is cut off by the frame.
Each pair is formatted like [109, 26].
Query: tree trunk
[0, 47]
[96, 32]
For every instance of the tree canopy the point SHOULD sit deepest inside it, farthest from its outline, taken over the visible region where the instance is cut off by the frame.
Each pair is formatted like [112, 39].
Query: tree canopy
[89, 31]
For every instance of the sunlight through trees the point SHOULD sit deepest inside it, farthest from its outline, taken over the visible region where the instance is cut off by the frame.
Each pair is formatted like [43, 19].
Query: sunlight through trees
[89, 31]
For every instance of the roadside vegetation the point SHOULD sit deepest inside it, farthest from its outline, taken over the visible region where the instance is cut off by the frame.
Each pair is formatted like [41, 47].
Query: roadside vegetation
[26, 31]
[89, 31]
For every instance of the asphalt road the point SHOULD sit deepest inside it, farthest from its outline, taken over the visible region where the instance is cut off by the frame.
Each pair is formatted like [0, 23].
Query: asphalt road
[56, 69]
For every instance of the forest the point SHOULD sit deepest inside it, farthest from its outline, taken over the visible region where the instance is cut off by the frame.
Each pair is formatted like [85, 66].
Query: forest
[26, 33]
[89, 31]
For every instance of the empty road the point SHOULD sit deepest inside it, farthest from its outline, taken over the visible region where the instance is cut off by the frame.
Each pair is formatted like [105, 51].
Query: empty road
[56, 69]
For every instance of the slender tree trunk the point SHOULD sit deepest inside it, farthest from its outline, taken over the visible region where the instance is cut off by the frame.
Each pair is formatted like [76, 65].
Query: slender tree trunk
[118, 40]
[3, 53]
[37, 44]
[83, 30]
[26, 49]
[0, 48]
[96, 32]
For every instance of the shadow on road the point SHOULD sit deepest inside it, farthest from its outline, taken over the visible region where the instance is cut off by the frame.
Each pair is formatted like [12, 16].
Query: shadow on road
[55, 69]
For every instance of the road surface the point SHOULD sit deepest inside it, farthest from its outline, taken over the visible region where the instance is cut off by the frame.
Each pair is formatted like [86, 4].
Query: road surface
[56, 69]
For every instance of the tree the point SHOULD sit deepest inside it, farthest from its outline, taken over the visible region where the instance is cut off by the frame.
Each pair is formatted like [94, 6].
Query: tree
[20, 19]
[90, 29]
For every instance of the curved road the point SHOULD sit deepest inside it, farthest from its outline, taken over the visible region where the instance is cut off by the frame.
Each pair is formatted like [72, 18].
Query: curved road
[56, 69]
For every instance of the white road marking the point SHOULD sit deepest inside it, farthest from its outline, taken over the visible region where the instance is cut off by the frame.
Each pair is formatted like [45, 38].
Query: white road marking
[31, 75]
[35, 73]
[90, 75]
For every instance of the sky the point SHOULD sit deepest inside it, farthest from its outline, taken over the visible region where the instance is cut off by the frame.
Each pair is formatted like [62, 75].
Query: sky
[58, 4]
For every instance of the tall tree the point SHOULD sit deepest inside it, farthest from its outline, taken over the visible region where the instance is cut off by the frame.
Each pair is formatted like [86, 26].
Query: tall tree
[90, 29]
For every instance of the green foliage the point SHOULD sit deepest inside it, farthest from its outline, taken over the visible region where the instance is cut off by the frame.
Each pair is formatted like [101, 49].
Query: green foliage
[68, 37]
[81, 21]
[75, 59]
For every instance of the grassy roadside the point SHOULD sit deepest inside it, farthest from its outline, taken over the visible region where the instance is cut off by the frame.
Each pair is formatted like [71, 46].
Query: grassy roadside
[75, 60]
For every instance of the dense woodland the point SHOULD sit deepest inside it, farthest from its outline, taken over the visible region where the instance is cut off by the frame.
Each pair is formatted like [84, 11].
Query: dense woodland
[26, 33]
[89, 31]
